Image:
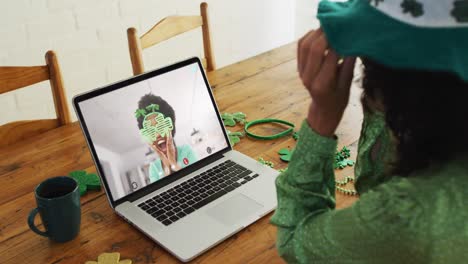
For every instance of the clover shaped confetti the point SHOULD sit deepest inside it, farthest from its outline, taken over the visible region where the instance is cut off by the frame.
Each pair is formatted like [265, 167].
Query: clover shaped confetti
[341, 158]
[266, 162]
[156, 124]
[234, 118]
[86, 181]
[295, 135]
[286, 154]
[283, 170]
[234, 137]
[109, 258]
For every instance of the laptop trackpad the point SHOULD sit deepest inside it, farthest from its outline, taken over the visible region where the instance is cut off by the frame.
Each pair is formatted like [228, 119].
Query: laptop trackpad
[234, 210]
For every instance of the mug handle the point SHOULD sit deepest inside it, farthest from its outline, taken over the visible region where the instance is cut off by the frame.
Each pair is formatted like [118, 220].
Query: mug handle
[31, 217]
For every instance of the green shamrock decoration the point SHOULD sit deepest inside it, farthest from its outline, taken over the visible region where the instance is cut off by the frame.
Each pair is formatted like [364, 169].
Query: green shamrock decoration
[266, 162]
[152, 108]
[286, 154]
[154, 126]
[140, 113]
[413, 7]
[460, 11]
[234, 118]
[341, 159]
[229, 122]
[110, 258]
[234, 137]
[295, 135]
[86, 181]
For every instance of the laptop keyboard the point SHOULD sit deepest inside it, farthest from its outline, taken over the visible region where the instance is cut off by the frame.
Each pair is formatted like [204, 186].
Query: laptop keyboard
[189, 196]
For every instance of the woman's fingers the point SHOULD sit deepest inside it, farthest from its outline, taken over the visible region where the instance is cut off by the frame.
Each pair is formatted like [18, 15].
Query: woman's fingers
[299, 44]
[346, 74]
[171, 150]
[314, 61]
[327, 74]
[161, 155]
[304, 46]
[327, 80]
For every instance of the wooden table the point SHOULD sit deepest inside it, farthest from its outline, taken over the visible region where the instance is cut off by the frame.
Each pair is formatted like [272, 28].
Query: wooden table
[263, 86]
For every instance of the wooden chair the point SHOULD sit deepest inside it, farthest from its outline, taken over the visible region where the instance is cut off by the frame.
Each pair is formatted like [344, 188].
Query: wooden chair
[167, 28]
[13, 78]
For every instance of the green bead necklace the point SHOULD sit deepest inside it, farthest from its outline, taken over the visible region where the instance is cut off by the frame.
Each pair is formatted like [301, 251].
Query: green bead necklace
[342, 190]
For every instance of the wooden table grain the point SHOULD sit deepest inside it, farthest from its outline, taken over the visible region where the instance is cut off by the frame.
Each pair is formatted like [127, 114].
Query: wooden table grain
[263, 86]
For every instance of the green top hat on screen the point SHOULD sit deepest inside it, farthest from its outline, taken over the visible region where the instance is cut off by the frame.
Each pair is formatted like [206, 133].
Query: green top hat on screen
[154, 123]
[429, 35]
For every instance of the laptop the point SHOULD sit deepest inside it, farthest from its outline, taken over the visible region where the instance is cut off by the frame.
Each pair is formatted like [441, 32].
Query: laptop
[165, 161]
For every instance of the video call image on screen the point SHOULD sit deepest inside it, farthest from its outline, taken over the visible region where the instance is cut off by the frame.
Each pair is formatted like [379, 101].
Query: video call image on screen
[151, 129]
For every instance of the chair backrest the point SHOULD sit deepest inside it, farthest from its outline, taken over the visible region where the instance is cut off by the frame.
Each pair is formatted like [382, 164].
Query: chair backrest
[167, 28]
[13, 78]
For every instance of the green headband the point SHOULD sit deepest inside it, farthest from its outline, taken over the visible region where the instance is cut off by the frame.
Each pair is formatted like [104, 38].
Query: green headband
[154, 123]
[268, 120]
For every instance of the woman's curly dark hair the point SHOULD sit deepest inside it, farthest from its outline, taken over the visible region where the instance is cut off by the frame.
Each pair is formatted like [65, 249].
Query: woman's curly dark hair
[164, 107]
[427, 112]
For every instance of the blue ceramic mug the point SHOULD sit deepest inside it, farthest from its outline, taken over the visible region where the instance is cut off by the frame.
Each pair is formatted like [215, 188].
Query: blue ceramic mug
[58, 203]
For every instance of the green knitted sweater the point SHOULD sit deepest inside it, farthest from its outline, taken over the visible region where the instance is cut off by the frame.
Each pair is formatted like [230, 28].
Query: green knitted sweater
[418, 219]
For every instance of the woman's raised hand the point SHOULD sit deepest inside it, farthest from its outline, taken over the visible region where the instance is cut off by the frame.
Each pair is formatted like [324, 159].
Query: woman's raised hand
[327, 81]
[165, 163]
[172, 153]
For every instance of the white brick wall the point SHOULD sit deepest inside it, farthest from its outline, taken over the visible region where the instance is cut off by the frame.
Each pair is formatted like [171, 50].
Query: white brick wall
[89, 37]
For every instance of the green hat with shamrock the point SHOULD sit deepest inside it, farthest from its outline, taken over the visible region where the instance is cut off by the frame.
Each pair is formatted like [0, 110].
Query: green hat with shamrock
[427, 35]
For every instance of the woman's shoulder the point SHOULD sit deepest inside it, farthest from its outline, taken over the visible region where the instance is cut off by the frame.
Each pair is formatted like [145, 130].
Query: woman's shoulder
[432, 199]
[451, 175]
[394, 201]
[187, 151]
[448, 176]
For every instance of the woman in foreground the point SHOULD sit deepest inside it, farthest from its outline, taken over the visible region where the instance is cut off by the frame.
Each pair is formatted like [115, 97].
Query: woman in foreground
[412, 165]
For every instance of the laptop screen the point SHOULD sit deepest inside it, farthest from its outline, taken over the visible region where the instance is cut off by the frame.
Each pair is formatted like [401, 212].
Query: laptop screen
[146, 131]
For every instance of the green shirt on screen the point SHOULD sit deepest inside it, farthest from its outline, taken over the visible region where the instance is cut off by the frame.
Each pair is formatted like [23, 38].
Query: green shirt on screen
[185, 157]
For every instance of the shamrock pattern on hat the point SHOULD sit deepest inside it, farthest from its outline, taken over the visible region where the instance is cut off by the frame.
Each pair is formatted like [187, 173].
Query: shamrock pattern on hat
[416, 8]
[413, 7]
[460, 11]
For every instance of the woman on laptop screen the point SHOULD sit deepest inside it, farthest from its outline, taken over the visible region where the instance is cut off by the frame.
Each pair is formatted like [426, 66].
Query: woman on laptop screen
[156, 119]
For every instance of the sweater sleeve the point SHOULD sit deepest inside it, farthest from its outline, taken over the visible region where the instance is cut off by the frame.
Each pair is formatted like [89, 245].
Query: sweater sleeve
[311, 231]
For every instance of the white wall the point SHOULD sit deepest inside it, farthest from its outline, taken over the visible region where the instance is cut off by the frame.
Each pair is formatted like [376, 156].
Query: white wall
[90, 39]
[305, 13]
[134, 158]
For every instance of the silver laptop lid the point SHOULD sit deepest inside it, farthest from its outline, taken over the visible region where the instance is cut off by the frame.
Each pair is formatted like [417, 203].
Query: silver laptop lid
[152, 129]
